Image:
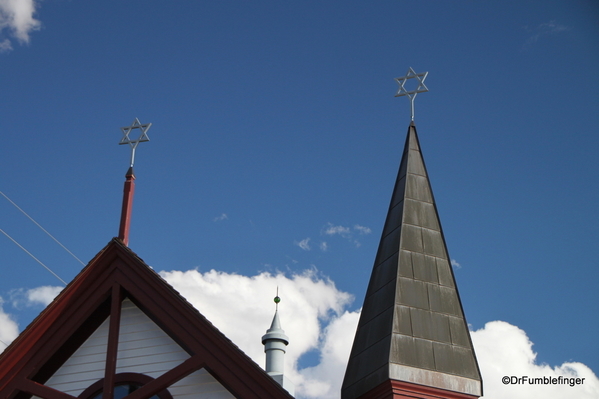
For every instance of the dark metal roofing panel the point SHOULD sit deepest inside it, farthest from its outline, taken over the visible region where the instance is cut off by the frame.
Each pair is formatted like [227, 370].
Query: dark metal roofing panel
[388, 244]
[405, 264]
[378, 327]
[400, 188]
[444, 300]
[384, 273]
[412, 304]
[418, 188]
[371, 360]
[412, 351]
[455, 360]
[444, 272]
[425, 268]
[395, 219]
[459, 334]
[378, 302]
[429, 325]
[402, 322]
[433, 243]
[412, 293]
[421, 213]
[415, 163]
[411, 238]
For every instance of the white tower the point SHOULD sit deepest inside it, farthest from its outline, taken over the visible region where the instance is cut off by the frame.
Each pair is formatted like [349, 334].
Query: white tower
[275, 343]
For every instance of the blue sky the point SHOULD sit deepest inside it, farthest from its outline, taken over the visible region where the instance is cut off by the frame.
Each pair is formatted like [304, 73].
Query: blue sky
[275, 130]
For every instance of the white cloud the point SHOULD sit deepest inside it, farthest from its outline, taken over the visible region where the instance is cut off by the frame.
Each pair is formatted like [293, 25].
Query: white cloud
[223, 216]
[324, 380]
[43, 295]
[455, 264]
[332, 230]
[544, 29]
[312, 312]
[505, 350]
[5, 46]
[346, 232]
[17, 17]
[35, 296]
[304, 244]
[9, 330]
[552, 27]
[362, 229]
[324, 246]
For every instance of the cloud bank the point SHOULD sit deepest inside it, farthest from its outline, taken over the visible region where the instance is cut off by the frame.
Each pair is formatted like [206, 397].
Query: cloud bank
[504, 350]
[312, 312]
[16, 18]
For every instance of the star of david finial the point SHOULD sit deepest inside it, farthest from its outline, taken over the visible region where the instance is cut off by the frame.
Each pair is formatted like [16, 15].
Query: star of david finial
[412, 93]
[133, 143]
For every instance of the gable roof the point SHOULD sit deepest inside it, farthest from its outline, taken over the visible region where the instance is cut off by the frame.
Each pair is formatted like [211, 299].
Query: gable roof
[114, 274]
[412, 326]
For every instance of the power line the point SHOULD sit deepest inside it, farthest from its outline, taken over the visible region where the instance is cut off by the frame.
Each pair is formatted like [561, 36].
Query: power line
[30, 254]
[44, 230]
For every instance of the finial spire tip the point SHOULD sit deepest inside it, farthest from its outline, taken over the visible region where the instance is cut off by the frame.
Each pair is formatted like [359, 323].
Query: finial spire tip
[412, 93]
[277, 299]
[133, 143]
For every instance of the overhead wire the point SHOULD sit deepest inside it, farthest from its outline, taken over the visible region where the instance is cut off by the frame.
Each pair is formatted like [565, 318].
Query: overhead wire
[44, 230]
[30, 254]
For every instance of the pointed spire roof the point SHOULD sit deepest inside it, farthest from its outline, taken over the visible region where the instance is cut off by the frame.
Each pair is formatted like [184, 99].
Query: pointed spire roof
[275, 332]
[412, 327]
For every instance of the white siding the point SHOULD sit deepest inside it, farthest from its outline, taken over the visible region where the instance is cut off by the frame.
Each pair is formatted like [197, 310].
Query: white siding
[86, 366]
[199, 385]
[143, 348]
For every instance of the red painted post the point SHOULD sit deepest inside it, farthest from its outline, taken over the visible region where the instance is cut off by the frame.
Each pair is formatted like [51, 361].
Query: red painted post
[128, 191]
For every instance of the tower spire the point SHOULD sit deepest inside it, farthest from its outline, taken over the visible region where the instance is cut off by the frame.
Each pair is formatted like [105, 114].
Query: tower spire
[275, 343]
[129, 187]
[412, 339]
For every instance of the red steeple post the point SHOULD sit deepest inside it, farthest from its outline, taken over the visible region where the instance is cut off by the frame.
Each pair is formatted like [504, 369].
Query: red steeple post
[130, 176]
[128, 191]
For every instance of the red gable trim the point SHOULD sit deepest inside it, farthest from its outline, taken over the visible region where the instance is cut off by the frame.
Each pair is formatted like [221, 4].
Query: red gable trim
[43, 391]
[116, 272]
[33, 342]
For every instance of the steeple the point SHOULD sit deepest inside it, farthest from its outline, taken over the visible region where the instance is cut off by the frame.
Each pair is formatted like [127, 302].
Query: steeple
[412, 338]
[275, 343]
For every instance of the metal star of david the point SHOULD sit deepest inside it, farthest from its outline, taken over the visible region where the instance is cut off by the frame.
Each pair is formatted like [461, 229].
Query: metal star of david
[133, 143]
[412, 93]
